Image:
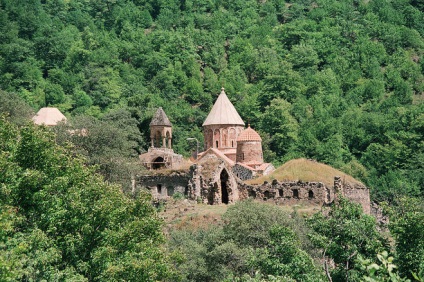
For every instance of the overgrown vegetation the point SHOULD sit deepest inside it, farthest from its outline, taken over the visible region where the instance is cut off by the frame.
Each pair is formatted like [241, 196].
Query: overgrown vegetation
[254, 238]
[340, 82]
[59, 221]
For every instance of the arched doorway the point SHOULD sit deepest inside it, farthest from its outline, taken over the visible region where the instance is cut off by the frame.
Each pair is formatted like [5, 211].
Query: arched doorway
[158, 163]
[224, 186]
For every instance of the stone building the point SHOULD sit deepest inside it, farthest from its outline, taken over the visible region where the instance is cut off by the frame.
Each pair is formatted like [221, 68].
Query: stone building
[223, 130]
[160, 154]
[232, 155]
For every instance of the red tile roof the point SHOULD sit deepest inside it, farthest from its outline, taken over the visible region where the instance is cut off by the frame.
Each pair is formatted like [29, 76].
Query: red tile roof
[249, 135]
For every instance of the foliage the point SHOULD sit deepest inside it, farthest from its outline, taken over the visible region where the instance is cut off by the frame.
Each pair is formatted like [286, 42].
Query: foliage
[255, 243]
[249, 223]
[340, 82]
[384, 271]
[61, 221]
[344, 234]
[178, 196]
[407, 226]
[112, 143]
[15, 108]
[284, 257]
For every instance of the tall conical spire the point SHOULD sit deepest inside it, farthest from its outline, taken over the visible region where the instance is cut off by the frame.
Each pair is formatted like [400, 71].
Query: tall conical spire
[223, 112]
[160, 118]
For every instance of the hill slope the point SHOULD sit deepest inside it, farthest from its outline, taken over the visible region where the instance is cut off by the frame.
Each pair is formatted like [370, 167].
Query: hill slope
[306, 170]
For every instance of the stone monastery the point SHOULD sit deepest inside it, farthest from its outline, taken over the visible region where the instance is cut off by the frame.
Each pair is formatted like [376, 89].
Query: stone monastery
[232, 155]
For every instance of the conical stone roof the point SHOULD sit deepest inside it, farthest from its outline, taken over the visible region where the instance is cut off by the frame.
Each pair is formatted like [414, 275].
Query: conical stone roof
[160, 118]
[223, 112]
[48, 116]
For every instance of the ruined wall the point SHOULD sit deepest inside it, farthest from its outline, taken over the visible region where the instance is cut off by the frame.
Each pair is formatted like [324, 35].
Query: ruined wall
[358, 194]
[290, 192]
[164, 186]
[213, 182]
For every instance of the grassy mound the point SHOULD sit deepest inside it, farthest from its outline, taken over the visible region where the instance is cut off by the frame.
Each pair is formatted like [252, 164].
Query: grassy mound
[306, 170]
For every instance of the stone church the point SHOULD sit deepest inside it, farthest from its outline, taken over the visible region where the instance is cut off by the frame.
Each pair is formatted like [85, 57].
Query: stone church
[232, 155]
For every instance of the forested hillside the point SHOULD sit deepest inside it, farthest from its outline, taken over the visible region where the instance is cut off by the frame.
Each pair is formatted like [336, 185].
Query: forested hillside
[337, 81]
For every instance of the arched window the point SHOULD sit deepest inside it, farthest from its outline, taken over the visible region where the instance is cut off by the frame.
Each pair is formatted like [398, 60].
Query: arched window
[310, 194]
[157, 139]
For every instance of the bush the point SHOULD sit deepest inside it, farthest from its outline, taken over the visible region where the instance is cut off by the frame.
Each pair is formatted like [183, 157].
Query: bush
[178, 196]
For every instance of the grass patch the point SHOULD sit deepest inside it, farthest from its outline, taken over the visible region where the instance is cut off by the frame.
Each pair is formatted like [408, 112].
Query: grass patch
[307, 171]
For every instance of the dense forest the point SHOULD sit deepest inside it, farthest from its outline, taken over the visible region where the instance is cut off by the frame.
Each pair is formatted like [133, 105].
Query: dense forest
[341, 82]
[337, 81]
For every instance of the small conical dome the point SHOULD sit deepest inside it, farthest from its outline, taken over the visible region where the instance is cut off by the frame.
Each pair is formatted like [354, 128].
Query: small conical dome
[160, 118]
[249, 134]
[48, 116]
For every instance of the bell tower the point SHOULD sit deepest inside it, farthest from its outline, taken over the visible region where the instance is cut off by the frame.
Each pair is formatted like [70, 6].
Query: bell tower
[161, 130]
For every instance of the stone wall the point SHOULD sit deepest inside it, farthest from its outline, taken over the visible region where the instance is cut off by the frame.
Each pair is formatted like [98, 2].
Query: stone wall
[358, 194]
[212, 181]
[291, 192]
[164, 186]
[242, 172]
[317, 193]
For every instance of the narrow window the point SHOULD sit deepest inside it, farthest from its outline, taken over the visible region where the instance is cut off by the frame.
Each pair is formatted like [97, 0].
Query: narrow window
[242, 156]
[159, 188]
[216, 142]
[266, 195]
[252, 194]
[310, 194]
[280, 192]
[170, 190]
[232, 144]
[296, 193]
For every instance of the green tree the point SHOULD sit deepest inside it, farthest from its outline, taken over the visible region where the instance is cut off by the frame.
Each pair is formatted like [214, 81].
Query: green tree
[407, 225]
[63, 222]
[283, 257]
[15, 108]
[343, 234]
[112, 143]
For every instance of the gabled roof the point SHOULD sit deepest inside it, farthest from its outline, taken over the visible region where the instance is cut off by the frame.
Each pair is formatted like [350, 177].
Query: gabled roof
[223, 112]
[160, 118]
[48, 116]
[249, 134]
[218, 153]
